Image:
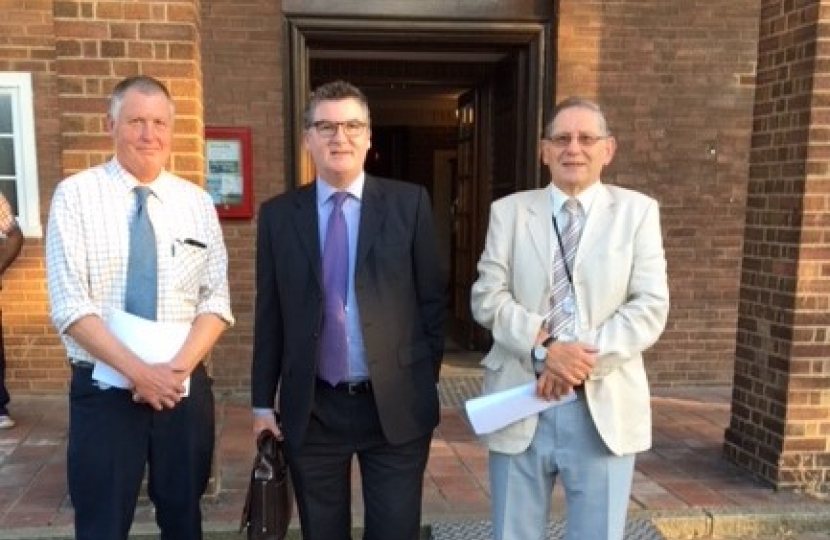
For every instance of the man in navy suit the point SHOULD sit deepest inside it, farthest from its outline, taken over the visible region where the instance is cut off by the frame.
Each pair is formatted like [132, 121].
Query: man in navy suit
[384, 407]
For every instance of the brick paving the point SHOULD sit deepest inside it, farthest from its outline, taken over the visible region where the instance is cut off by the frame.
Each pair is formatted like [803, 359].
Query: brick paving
[682, 483]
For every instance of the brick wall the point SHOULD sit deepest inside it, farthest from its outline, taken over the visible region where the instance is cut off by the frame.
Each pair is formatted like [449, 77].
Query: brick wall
[36, 361]
[780, 425]
[242, 61]
[100, 43]
[676, 81]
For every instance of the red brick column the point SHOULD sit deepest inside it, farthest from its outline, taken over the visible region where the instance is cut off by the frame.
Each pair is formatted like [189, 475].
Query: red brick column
[780, 425]
[100, 43]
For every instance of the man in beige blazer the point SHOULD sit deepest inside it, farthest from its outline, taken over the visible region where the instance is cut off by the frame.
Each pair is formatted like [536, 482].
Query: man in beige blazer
[611, 304]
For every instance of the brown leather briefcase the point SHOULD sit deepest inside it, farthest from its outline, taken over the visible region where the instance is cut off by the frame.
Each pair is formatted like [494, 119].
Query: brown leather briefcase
[270, 501]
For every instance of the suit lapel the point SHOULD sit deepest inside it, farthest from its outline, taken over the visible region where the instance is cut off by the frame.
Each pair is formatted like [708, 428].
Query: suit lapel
[372, 214]
[539, 224]
[598, 221]
[305, 223]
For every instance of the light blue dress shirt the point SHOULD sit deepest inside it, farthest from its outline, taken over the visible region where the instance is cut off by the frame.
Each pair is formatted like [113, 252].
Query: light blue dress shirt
[358, 366]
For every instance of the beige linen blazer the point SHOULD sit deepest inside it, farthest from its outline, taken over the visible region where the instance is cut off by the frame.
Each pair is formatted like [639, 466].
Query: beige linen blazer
[622, 301]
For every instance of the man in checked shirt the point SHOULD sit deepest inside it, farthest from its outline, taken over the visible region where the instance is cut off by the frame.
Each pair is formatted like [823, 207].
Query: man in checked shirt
[113, 432]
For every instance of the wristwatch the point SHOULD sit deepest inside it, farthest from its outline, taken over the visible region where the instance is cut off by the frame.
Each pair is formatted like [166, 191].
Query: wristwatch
[540, 352]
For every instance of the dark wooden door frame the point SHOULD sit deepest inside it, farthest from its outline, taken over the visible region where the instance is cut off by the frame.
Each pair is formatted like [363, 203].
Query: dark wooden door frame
[522, 45]
[304, 34]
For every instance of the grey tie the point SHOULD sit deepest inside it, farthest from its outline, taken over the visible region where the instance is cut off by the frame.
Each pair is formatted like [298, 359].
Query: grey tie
[141, 295]
[562, 301]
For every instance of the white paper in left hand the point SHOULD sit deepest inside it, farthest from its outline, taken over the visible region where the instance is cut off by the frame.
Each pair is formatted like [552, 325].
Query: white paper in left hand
[492, 412]
[152, 341]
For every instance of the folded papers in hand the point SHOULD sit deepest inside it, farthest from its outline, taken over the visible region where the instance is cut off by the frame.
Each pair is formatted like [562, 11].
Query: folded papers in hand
[494, 411]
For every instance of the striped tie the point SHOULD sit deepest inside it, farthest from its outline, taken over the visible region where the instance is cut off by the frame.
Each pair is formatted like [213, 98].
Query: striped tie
[562, 303]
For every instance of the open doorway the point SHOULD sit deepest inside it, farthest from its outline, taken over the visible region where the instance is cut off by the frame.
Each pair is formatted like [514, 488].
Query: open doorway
[457, 109]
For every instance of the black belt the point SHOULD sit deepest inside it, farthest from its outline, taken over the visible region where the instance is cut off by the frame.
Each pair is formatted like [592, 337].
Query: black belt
[351, 388]
[83, 364]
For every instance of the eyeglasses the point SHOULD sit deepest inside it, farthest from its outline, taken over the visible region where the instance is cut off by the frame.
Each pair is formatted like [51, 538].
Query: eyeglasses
[328, 129]
[586, 141]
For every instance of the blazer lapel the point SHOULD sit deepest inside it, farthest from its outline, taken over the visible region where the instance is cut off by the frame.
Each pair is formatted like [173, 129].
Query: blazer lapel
[540, 226]
[598, 221]
[305, 223]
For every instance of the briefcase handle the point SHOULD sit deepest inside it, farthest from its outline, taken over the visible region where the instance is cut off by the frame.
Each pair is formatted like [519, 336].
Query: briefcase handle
[269, 466]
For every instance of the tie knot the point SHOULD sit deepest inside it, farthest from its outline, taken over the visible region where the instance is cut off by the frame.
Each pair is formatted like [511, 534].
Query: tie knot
[141, 194]
[572, 206]
[339, 198]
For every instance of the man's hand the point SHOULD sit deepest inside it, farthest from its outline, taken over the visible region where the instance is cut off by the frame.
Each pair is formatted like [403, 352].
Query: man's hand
[269, 422]
[159, 386]
[568, 364]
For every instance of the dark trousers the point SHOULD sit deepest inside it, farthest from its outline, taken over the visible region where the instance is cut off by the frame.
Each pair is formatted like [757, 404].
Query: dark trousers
[341, 427]
[4, 392]
[111, 439]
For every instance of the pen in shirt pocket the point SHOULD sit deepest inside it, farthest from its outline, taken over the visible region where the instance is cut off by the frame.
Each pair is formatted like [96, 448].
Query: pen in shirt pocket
[194, 243]
[188, 242]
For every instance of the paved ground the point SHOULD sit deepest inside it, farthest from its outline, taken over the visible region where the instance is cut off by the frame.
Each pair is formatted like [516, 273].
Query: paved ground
[682, 489]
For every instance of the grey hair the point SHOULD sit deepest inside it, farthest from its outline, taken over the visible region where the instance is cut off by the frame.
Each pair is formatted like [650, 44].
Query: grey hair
[575, 102]
[142, 83]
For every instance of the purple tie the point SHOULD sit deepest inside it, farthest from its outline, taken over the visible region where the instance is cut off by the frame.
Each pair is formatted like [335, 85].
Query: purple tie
[333, 346]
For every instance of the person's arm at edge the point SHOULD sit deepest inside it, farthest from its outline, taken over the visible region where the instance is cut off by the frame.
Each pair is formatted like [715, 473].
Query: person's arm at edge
[11, 248]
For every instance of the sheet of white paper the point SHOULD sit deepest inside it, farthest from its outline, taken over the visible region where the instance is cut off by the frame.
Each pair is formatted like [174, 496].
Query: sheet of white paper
[494, 411]
[152, 341]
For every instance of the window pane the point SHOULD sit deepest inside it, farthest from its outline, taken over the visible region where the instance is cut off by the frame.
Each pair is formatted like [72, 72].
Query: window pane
[5, 114]
[9, 190]
[7, 157]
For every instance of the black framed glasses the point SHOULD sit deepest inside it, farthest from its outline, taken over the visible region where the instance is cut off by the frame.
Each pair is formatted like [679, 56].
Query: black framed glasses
[328, 129]
[585, 140]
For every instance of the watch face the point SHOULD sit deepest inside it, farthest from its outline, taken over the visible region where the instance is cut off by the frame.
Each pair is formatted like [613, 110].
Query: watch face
[539, 353]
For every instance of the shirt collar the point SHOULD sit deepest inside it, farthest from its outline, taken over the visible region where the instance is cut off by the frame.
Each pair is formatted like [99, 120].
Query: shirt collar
[325, 191]
[158, 187]
[558, 198]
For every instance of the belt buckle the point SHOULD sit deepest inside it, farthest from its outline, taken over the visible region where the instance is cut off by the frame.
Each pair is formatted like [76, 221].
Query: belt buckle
[359, 387]
[82, 364]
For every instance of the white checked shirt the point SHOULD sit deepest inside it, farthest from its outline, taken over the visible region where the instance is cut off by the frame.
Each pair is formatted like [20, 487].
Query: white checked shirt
[87, 247]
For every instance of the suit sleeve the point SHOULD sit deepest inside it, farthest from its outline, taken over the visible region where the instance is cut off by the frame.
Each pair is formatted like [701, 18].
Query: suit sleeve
[267, 356]
[494, 306]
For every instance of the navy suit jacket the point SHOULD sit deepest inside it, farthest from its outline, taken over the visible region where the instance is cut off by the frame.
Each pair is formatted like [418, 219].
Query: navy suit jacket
[401, 294]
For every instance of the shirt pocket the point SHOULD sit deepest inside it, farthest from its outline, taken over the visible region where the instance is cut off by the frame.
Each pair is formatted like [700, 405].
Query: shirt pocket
[190, 267]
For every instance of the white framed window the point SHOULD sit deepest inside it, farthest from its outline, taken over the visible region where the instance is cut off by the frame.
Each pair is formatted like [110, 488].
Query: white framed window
[18, 153]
